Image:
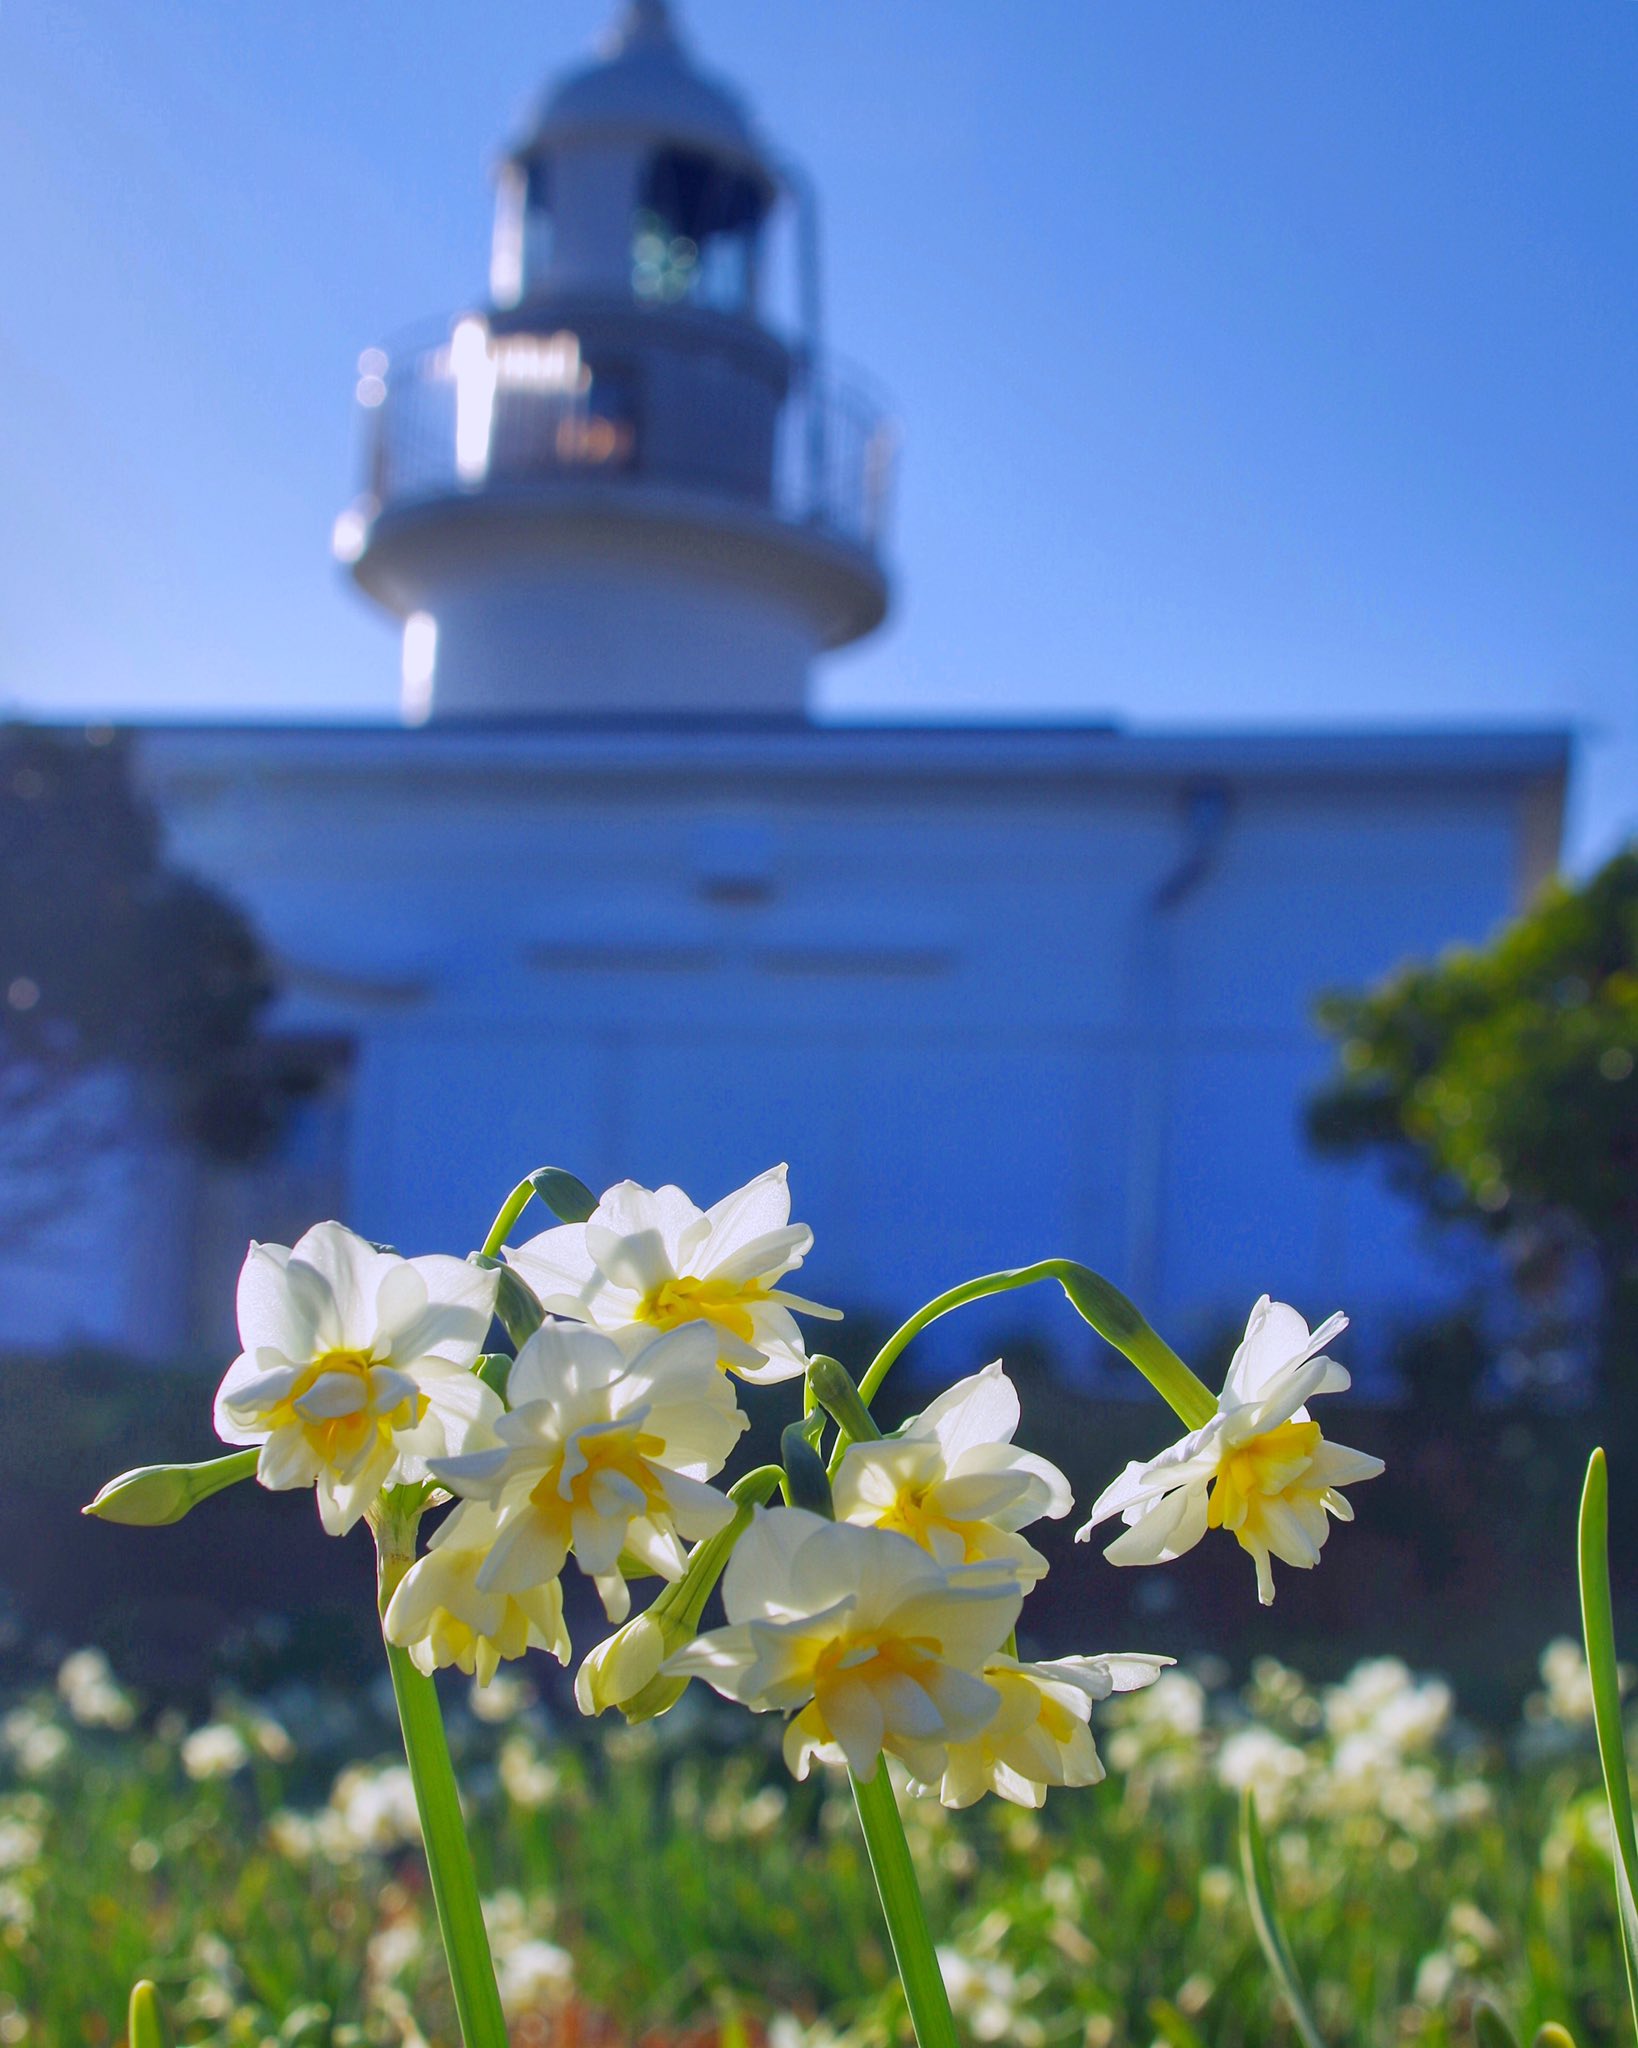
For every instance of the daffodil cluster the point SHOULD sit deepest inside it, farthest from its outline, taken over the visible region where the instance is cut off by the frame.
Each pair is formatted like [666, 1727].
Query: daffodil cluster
[876, 1608]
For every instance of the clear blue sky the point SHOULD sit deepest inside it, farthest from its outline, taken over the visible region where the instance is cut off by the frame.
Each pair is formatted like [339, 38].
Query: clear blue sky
[1260, 362]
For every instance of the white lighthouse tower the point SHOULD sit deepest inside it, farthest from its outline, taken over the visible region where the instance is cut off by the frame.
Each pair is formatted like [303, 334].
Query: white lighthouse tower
[620, 486]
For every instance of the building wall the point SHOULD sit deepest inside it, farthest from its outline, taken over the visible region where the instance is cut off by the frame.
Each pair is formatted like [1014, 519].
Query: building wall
[994, 996]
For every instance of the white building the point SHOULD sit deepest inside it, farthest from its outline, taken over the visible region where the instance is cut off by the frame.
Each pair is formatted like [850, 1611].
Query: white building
[609, 901]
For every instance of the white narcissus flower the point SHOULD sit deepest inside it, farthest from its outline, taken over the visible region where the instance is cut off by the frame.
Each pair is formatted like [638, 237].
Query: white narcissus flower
[1041, 1734]
[649, 1258]
[1260, 1467]
[602, 1453]
[878, 1644]
[439, 1614]
[355, 1368]
[952, 1481]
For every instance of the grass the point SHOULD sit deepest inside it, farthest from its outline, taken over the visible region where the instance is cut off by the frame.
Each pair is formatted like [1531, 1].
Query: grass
[671, 1887]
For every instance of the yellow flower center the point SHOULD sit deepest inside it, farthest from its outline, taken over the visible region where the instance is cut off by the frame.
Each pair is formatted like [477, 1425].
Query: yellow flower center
[869, 1661]
[623, 1452]
[910, 1515]
[687, 1300]
[338, 1440]
[1268, 1468]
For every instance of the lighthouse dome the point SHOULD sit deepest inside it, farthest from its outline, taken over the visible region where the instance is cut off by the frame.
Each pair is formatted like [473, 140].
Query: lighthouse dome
[644, 85]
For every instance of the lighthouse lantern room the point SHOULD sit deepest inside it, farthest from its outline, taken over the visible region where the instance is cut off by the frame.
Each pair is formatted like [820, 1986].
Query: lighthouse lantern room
[624, 486]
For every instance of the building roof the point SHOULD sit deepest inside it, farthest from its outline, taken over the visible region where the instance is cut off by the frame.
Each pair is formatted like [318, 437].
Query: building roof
[1080, 752]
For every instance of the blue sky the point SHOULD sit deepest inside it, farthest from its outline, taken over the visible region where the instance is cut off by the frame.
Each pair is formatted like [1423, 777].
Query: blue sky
[1263, 363]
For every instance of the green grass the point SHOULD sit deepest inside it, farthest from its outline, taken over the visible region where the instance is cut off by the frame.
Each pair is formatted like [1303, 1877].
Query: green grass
[670, 1884]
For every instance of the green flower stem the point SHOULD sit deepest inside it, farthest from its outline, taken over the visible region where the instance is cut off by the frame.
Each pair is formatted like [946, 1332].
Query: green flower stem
[1109, 1312]
[509, 1212]
[448, 1853]
[903, 1910]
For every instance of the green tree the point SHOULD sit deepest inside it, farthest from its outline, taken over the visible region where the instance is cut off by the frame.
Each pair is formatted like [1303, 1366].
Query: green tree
[127, 989]
[1499, 1082]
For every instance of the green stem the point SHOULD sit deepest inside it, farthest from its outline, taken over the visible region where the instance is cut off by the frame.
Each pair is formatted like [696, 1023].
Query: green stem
[448, 1853]
[1115, 1319]
[508, 1213]
[903, 1910]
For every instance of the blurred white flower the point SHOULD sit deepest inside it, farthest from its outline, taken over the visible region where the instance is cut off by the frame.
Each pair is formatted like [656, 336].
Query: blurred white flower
[952, 1480]
[442, 1614]
[373, 1808]
[355, 1368]
[877, 1644]
[533, 1975]
[785, 2030]
[1567, 1696]
[20, 1842]
[395, 1946]
[649, 1258]
[1041, 1734]
[269, 1737]
[1158, 1731]
[35, 1744]
[600, 1454]
[527, 1779]
[1260, 1467]
[216, 1750]
[93, 1696]
[504, 1698]
[987, 1998]
[1381, 1699]
[1258, 1760]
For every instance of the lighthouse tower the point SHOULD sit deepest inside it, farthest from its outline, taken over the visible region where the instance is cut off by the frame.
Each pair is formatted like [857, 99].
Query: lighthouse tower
[621, 486]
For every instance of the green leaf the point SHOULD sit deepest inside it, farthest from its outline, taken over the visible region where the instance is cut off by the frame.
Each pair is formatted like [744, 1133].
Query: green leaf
[1259, 1883]
[1598, 1629]
[806, 1482]
[569, 1199]
[145, 2026]
[1490, 2030]
[154, 1496]
[903, 1910]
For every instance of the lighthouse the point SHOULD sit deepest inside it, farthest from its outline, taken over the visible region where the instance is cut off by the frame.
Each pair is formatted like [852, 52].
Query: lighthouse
[627, 483]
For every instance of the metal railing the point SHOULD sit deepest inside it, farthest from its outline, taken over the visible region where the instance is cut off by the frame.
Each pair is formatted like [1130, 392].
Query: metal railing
[479, 409]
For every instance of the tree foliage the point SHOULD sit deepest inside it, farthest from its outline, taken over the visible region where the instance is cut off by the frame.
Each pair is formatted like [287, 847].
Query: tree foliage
[1500, 1083]
[115, 969]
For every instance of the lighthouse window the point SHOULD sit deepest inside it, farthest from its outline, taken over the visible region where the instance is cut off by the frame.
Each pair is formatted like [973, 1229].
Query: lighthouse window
[694, 233]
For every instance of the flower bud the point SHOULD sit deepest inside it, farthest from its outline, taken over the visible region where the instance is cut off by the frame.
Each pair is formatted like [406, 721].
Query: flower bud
[835, 1392]
[568, 1198]
[619, 1669]
[153, 1495]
